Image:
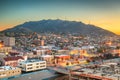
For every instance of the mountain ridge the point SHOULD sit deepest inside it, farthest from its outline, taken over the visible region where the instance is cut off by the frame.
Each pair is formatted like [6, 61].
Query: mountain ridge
[59, 26]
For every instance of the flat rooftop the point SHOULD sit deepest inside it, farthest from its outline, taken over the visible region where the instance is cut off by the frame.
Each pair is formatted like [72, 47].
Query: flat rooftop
[4, 68]
[32, 61]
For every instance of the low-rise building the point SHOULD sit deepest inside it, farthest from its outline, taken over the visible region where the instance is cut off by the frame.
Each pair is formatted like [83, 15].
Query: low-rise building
[9, 41]
[12, 60]
[5, 49]
[47, 58]
[8, 71]
[39, 51]
[32, 65]
[62, 57]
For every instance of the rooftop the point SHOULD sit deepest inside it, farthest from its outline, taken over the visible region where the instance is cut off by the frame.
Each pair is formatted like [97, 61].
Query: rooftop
[12, 58]
[4, 68]
[32, 61]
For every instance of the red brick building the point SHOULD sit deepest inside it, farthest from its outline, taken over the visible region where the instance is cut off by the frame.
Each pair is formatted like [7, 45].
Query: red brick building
[12, 61]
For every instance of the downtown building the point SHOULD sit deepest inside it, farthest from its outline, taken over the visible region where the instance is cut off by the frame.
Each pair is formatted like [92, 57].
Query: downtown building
[8, 71]
[9, 41]
[32, 65]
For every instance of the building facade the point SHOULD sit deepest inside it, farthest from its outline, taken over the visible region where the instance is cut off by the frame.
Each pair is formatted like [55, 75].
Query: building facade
[8, 71]
[32, 65]
[9, 41]
[5, 49]
[12, 60]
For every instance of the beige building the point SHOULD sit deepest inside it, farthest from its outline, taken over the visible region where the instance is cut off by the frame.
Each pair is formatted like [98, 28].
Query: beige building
[32, 65]
[39, 52]
[42, 42]
[5, 49]
[8, 71]
[47, 58]
[9, 41]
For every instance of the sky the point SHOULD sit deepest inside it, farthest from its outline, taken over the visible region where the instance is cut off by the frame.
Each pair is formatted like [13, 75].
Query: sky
[102, 13]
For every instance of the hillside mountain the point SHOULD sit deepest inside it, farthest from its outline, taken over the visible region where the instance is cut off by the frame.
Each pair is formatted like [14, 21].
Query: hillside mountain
[59, 26]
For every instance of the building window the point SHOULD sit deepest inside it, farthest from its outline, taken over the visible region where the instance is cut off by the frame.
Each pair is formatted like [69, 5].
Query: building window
[42, 63]
[3, 73]
[29, 64]
[29, 68]
[37, 66]
[20, 64]
[42, 66]
[37, 63]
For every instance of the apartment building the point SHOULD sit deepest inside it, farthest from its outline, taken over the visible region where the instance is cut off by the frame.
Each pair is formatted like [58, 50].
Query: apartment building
[8, 71]
[32, 65]
[5, 49]
[9, 41]
[12, 60]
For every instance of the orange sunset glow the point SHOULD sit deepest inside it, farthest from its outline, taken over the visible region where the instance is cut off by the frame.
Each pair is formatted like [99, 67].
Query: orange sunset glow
[103, 13]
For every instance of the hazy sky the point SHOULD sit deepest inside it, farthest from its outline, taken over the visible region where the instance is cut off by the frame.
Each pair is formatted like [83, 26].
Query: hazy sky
[103, 13]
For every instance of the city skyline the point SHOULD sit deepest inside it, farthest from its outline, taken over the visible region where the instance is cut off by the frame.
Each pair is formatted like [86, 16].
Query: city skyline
[102, 13]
